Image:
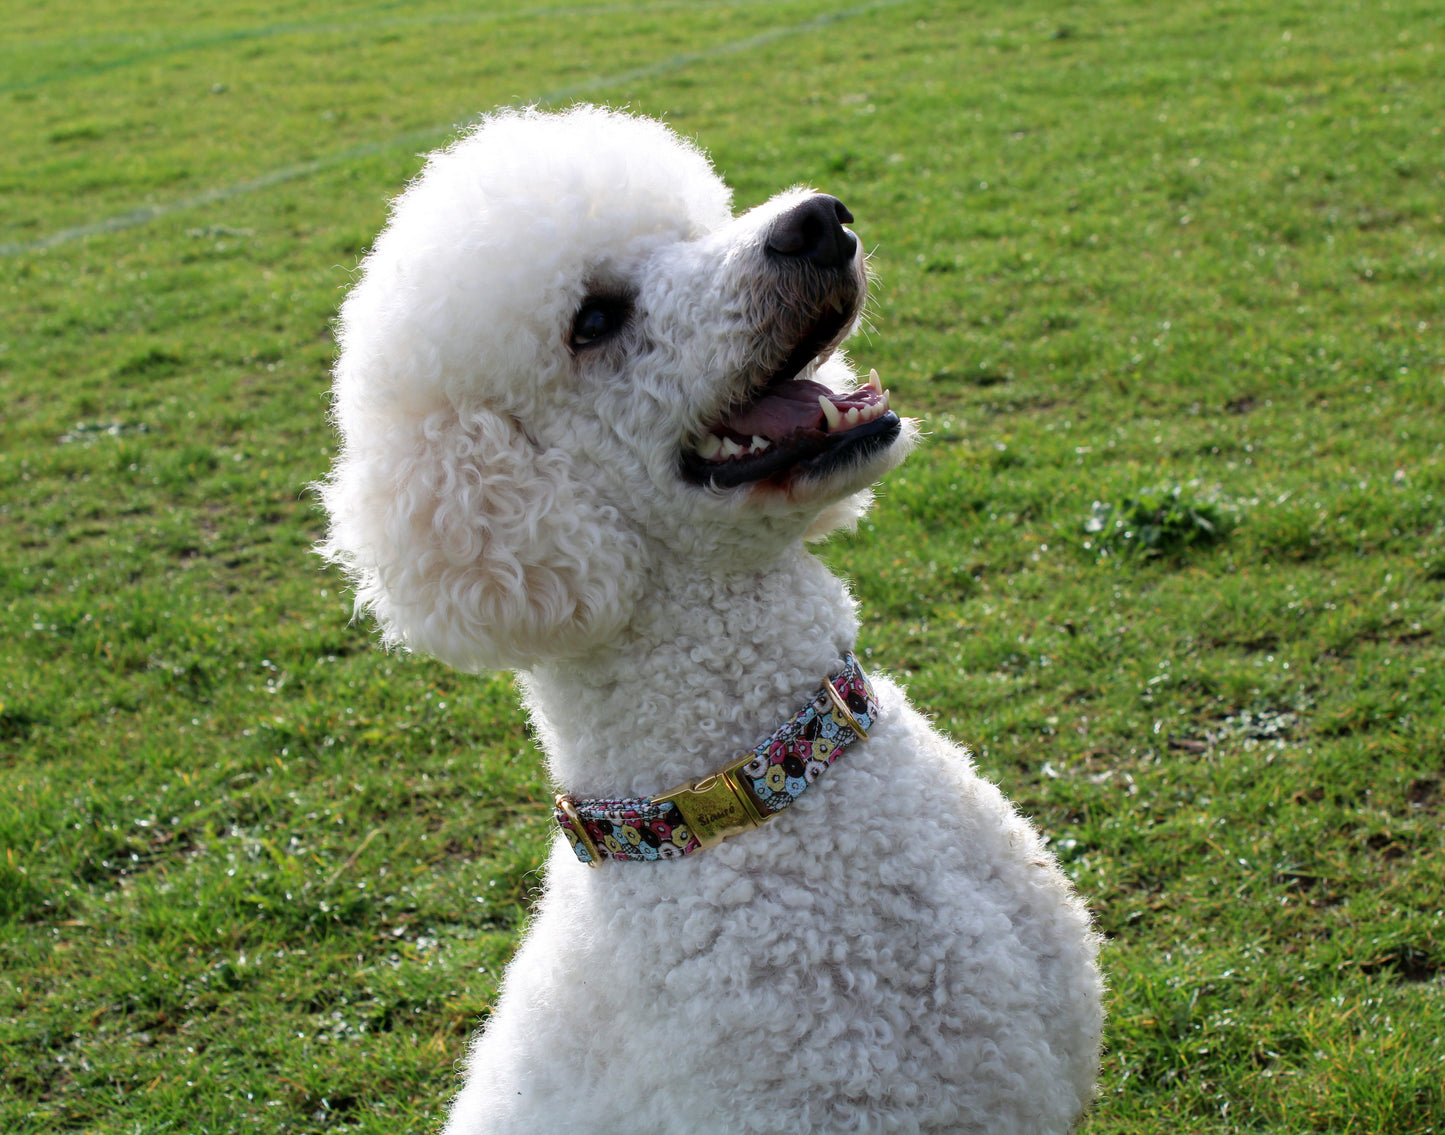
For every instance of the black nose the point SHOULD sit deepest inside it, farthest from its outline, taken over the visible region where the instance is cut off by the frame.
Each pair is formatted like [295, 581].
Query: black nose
[814, 232]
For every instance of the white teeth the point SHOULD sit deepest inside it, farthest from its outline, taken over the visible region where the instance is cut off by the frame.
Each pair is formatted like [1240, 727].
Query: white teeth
[882, 406]
[714, 448]
[851, 417]
[830, 412]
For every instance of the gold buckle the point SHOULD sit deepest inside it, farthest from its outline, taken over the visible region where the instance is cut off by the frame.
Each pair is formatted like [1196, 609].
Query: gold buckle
[842, 707]
[717, 806]
[583, 835]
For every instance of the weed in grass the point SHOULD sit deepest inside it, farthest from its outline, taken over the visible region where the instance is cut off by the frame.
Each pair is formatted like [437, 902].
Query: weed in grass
[1160, 523]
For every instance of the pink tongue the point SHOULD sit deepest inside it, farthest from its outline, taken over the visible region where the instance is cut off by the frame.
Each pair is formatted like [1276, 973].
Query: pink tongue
[792, 406]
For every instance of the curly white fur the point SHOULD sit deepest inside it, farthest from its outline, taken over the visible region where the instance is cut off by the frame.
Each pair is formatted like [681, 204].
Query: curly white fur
[895, 953]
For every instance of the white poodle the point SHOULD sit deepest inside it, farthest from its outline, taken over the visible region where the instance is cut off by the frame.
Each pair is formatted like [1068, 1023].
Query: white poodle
[588, 420]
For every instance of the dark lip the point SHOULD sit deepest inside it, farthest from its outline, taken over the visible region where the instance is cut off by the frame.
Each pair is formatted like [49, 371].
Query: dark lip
[822, 335]
[817, 342]
[809, 453]
[854, 446]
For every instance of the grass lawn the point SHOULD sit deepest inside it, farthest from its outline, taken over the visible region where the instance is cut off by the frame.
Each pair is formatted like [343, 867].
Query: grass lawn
[1166, 284]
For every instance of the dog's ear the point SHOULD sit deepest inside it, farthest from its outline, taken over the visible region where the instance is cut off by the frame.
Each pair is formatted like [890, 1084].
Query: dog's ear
[468, 542]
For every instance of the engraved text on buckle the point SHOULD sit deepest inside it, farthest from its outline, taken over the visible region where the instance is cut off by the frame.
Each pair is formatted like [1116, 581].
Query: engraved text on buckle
[715, 807]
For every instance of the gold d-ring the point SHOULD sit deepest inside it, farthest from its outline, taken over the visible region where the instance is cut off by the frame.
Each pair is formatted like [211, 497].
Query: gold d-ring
[570, 811]
[842, 707]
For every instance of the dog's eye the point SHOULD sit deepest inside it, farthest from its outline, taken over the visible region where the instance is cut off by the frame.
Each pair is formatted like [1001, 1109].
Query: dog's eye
[597, 319]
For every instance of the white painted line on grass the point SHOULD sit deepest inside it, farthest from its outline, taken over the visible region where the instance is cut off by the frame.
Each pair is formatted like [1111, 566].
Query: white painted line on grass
[147, 213]
[160, 48]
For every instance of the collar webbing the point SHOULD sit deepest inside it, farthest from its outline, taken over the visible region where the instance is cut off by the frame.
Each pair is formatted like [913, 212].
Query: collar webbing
[742, 795]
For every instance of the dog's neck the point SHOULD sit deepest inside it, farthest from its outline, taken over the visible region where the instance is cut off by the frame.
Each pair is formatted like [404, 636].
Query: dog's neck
[709, 664]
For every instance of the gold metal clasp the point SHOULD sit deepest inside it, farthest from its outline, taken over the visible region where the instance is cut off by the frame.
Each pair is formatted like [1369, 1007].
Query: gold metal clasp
[717, 806]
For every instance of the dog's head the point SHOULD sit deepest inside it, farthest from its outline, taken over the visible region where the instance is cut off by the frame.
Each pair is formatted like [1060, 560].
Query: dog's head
[566, 360]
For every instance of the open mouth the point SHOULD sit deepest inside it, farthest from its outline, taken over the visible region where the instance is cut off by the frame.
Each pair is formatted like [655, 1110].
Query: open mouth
[794, 425]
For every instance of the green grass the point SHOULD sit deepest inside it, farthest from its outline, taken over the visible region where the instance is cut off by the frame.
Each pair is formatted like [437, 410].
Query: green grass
[256, 875]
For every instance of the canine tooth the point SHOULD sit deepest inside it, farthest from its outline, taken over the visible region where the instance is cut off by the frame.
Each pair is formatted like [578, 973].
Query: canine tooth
[830, 412]
[730, 448]
[851, 417]
[884, 403]
[873, 381]
[760, 444]
[709, 447]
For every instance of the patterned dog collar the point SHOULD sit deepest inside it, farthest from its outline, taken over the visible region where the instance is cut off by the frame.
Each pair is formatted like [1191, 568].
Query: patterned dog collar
[736, 798]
